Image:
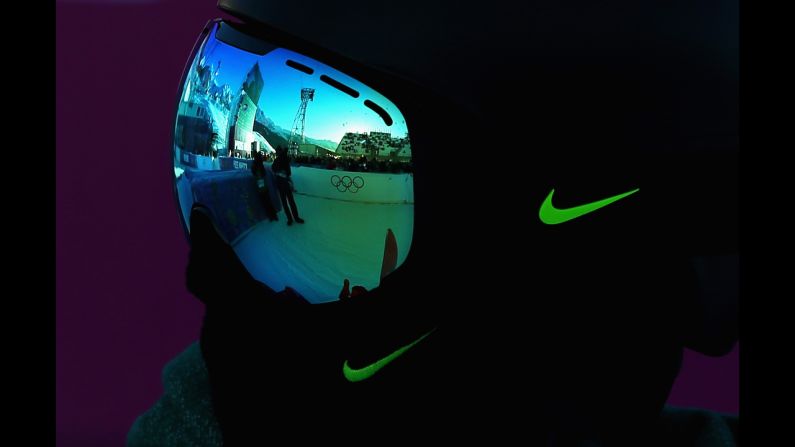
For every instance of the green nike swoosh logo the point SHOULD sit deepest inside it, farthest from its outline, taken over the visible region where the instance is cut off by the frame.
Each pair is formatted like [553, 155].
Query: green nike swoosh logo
[357, 375]
[551, 215]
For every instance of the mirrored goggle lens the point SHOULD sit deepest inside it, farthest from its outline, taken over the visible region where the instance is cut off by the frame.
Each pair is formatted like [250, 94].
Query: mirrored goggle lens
[306, 171]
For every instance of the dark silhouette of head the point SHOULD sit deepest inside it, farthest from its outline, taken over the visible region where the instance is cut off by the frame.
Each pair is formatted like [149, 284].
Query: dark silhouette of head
[581, 324]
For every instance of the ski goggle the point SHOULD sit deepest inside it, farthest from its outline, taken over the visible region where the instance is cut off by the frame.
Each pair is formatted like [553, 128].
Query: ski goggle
[306, 172]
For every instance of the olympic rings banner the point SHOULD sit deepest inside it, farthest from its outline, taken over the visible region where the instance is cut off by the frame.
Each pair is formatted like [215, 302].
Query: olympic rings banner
[367, 187]
[346, 183]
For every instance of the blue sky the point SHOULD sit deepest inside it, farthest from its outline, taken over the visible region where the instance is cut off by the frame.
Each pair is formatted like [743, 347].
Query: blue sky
[328, 116]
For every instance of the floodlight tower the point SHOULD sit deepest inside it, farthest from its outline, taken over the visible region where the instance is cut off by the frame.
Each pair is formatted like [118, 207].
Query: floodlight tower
[307, 94]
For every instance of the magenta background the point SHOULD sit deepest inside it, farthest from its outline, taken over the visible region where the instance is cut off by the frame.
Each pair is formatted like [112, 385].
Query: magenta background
[121, 306]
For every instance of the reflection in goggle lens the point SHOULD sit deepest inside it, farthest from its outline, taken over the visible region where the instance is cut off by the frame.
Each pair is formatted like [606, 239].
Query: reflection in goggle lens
[306, 171]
